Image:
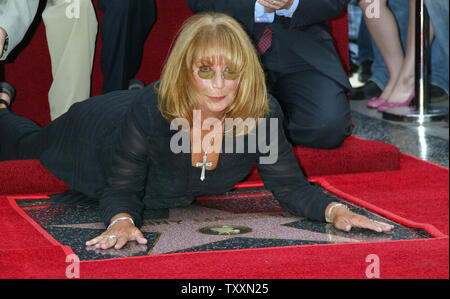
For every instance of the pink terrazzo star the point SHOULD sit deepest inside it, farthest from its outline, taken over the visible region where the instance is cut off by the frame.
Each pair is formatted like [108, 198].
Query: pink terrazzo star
[181, 230]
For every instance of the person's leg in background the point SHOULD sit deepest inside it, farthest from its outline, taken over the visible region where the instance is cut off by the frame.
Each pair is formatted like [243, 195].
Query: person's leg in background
[124, 29]
[380, 74]
[71, 34]
[404, 88]
[384, 32]
[439, 71]
[403, 91]
[365, 53]
[439, 14]
[400, 9]
[20, 138]
[354, 21]
[316, 109]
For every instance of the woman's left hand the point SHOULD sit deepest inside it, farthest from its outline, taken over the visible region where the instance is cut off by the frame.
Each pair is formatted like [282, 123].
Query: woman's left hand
[344, 219]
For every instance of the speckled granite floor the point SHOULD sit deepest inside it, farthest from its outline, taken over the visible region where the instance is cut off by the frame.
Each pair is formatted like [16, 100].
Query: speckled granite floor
[428, 142]
[409, 138]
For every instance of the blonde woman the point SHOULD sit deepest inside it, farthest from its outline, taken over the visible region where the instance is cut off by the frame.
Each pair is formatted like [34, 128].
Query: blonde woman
[119, 148]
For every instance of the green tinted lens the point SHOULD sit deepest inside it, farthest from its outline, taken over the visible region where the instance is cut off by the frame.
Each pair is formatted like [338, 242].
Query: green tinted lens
[230, 75]
[206, 72]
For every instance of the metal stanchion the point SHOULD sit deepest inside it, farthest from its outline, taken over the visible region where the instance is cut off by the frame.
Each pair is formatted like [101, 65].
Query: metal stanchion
[421, 111]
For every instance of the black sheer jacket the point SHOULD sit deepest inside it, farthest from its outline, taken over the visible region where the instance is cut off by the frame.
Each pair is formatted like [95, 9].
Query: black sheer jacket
[116, 148]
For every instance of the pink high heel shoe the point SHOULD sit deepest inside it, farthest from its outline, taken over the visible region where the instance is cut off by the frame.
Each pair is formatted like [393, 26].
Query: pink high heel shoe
[375, 102]
[388, 105]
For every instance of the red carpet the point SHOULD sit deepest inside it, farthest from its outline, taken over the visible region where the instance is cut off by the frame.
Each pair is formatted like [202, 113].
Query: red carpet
[418, 197]
[28, 177]
[354, 156]
[418, 191]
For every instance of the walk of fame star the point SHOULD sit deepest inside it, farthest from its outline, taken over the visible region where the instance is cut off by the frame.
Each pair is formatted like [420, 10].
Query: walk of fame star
[182, 230]
[201, 228]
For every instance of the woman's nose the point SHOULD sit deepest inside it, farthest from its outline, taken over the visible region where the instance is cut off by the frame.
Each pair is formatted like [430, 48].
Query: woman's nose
[218, 81]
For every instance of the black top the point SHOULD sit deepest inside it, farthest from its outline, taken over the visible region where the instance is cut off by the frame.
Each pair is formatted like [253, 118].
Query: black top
[116, 148]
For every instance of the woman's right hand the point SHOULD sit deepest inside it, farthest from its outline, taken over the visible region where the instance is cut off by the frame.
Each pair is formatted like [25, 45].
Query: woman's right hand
[118, 236]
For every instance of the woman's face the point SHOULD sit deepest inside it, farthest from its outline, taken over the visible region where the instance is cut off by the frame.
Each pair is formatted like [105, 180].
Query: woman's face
[216, 87]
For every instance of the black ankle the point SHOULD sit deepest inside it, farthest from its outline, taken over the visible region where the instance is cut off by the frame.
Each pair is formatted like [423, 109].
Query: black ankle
[9, 91]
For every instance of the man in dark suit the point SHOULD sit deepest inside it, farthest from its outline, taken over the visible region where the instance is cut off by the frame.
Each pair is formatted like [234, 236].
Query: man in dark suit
[303, 69]
[124, 29]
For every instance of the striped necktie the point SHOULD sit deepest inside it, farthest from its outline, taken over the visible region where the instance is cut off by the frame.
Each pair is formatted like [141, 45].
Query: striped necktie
[265, 42]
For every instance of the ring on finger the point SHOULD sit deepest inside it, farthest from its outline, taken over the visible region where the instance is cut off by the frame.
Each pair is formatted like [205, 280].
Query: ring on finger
[111, 237]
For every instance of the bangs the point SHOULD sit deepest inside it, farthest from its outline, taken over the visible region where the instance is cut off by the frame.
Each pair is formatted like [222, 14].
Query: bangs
[217, 45]
[212, 39]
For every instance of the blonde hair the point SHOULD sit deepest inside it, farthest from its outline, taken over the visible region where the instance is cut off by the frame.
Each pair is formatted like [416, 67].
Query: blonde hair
[204, 37]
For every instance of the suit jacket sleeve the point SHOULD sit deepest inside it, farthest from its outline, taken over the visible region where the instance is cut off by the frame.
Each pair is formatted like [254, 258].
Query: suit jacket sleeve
[316, 11]
[15, 17]
[285, 179]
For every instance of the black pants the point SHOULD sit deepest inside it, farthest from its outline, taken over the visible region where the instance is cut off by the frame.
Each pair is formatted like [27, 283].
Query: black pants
[20, 138]
[316, 108]
[124, 29]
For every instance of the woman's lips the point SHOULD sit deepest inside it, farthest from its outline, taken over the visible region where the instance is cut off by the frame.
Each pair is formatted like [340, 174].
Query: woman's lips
[217, 98]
